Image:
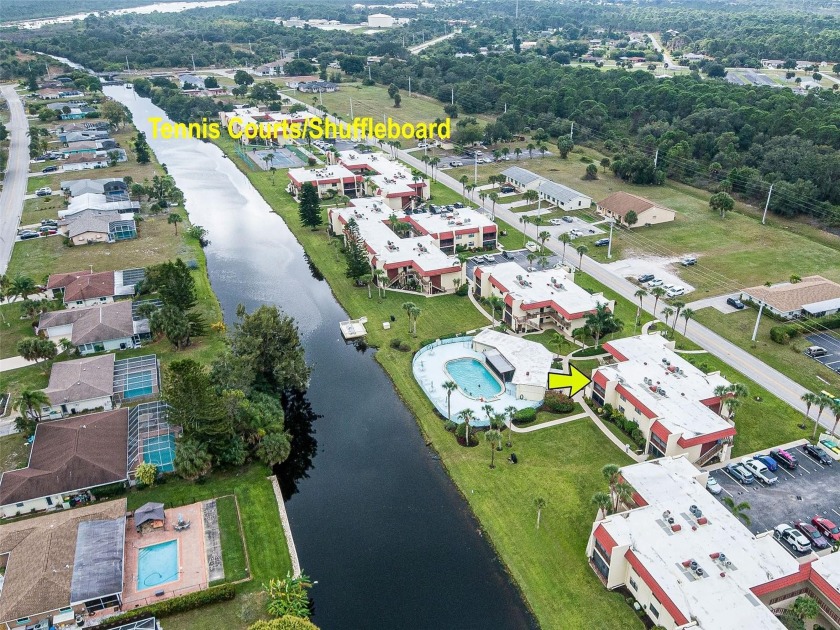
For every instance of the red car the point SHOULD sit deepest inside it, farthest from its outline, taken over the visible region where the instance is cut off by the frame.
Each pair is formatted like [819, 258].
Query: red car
[828, 529]
[814, 535]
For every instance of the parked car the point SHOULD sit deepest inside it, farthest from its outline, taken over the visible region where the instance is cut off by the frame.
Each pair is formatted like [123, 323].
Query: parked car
[25, 236]
[532, 269]
[761, 472]
[555, 222]
[568, 219]
[531, 246]
[735, 303]
[656, 282]
[675, 292]
[817, 454]
[507, 255]
[507, 189]
[792, 537]
[814, 535]
[827, 527]
[575, 232]
[772, 464]
[456, 163]
[49, 169]
[816, 351]
[784, 458]
[50, 222]
[741, 474]
[645, 277]
[713, 486]
[602, 242]
[458, 205]
[688, 261]
[487, 160]
[47, 230]
[831, 445]
[44, 192]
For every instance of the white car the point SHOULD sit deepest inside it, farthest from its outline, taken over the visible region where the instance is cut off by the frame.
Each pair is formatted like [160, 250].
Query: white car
[713, 486]
[675, 291]
[531, 246]
[793, 537]
[456, 163]
[556, 222]
[43, 192]
[487, 160]
[656, 282]
[576, 232]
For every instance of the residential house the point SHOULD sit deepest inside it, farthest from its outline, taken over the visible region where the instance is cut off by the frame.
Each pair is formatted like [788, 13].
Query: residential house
[812, 296]
[113, 188]
[190, 79]
[83, 161]
[62, 567]
[77, 113]
[273, 68]
[96, 328]
[115, 202]
[57, 107]
[86, 288]
[619, 204]
[317, 86]
[538, 300]
[68, 459]
[70, 137]
[679, 408]
[99, 226]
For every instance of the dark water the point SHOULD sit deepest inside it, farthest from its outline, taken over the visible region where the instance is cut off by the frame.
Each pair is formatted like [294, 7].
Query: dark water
[376, 520]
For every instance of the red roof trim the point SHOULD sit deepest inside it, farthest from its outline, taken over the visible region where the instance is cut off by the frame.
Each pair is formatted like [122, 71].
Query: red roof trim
[614, 352]
[708, 437]
[783, 582]
[825, 588]
[659, 430]
[500, 287]
[657, 590]
[603, 536]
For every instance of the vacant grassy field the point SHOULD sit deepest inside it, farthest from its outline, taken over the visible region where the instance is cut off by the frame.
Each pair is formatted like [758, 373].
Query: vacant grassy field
[738, 328]
[12, 329]
[548, 564]
[263, 536]
[734, 252]
[41, 208]
[14, 452]
[233, 550]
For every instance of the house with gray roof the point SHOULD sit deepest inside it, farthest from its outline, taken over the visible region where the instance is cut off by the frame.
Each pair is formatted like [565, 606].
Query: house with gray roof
[521, 178]
[80, 385]
[113, 188]
[95, 329]
[550, 192]
[99, 226]
[98, 201]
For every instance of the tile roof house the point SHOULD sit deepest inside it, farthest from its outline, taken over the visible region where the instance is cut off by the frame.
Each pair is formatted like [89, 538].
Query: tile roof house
[99, 226]
[68, 458]
[93, 329]
[812, 296]
[44, 555]
[81, 385]
[619, 204]
[82, 161]
[83, 288]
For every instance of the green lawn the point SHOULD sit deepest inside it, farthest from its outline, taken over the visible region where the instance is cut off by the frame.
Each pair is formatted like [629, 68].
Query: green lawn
[549, 563]
[14, 452]
[41, 208]
[263, 536]
[512, 240]
[233, 551]
[12, 329]
[738, 328]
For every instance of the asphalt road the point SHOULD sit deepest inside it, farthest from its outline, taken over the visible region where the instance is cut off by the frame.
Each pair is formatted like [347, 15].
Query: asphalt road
[666, 57]
[751, 367]
[17, 173]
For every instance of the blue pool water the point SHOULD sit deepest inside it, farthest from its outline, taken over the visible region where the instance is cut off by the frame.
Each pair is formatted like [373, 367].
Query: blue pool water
[157, 564]
[473, 378]
[160, 451]
[139, 384]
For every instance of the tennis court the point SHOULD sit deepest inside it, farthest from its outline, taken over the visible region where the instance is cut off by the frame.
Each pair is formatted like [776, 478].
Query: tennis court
[280, 158]
[160, 451]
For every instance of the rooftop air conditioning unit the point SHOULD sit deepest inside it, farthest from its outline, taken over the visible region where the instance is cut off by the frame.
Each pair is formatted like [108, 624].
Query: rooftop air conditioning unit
[694, 566]
[666, 514]
[722, 557]
[699, 572]
[660, 391]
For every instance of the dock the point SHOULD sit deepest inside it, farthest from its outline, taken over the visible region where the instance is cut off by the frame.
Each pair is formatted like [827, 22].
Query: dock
[353, 328]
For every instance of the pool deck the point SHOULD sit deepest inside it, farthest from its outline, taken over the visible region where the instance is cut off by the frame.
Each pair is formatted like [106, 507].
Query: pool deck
[191, 557]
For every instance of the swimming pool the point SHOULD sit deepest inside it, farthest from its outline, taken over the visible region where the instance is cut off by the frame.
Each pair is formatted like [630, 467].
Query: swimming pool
[473, 378]
[157, 564]
[138, 384]
[160, 451]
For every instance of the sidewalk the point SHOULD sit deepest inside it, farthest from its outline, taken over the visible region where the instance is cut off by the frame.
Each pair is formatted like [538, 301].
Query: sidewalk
[14, 363]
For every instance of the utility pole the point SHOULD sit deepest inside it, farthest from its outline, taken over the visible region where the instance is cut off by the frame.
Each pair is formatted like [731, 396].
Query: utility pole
[250, 50]
[609, 245]
[409, 86]
[517, 10]
[572, 132]
[505, 108]
[351, 108]
[766, 208]
[369, 79]
[475, 174]
[655, 158]
[452, 99]
[127, 67]
[193, 60]
[757, 320]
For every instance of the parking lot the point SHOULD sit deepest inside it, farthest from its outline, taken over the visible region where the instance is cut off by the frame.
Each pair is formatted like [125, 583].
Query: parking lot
[810, 490]
[830, 343]
[519, 256]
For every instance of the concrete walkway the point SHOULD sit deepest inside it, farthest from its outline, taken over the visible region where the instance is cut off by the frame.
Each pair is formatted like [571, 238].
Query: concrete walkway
[546, 425]
[14, 363]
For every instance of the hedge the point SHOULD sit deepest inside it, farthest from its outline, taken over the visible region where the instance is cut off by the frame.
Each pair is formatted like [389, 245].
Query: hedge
[528, 414]
[191, 601]
[784, 333]
[558, 402]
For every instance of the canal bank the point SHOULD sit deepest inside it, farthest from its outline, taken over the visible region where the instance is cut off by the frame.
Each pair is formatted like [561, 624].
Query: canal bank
[376, 520]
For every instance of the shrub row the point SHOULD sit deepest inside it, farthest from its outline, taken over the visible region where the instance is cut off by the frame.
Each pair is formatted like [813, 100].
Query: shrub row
[528, 414]
[557, 402]
[628, 427]
[191, 601]
[785, 333]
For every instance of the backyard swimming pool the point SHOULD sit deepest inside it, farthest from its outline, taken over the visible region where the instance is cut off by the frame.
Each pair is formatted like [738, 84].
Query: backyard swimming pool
[473, 378]
[157, 564]
[160, 451]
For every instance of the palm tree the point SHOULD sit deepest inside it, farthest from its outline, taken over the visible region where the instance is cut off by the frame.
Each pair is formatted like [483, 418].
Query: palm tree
[599, 321]
[686, 315]
[450, 387]
[666, 313]
[678, 305]
[470, 189]
[543, 260]
[509, 410]
[543, 236]
[22, 287]
[518, 152]
[414, 313]
[530, 148]
[407, 307]
[822, 402]
[539, 503]
[367, 279]
[656, 292]
[835, 409]
[721, 392]
[268, 158]
[809, 398]
[433, 163]
[602, 501]
[530, 196]
[732, 405]
[492, 436]
[524, 220]
[29, 403]
[464, 179]
[489, 411]
[640, 293]
[581, 249]
[496, 304]
[494, 197]
[738, 509]
[622, 494]
[175, 219]
[565, 239]
[380, 276]
[466, 416]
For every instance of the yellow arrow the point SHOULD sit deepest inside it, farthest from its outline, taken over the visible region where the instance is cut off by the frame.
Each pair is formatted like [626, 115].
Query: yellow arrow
[575, 380]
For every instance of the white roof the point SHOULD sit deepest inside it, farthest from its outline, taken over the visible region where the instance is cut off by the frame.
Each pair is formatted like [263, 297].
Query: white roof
[456, 220]
[392, 177]
[521, 175]
[334, 171]
[94, 201]
[829, 568]
[562, 193]
[679, 409]
[531, 360]
[544, 285]
[822, 306]
[717, 602]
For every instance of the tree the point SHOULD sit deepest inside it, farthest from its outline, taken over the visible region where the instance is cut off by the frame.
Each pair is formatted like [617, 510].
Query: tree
[466, 416]
[192, 461]
[310, 207]
[539, 503]
[666, 313]
[738, 509]
[211, 83]
[174, 219]
[805, 607]
[141, 149]
[600, 321]
[822, 402]
[146, 473]
[543, 237]
[21, 287]
[496, 304]
[173, 282]
[591, 172]
[113, 112]
[631, 218]
[274, 448]
[809, 398]
[174, 323]
[29, 403]
[193, 402]
[510, 411]
[603, 502]
[678, 306]
[492, 436]
[564, 146]
[581, 249]
[449, 386]
[687, 314]
[36, 349]
[286, 622]
[355, 252]
[656, 292]
[565, 239]
[241, 77]
[721, 203]
[494, 197]
[288, 596]
[605, 163]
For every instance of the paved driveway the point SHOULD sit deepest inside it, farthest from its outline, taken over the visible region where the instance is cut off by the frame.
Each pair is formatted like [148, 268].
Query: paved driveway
[718, 302]
[832, 344]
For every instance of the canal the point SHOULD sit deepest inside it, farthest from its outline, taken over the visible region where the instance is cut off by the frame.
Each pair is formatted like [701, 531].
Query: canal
[375, 518]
